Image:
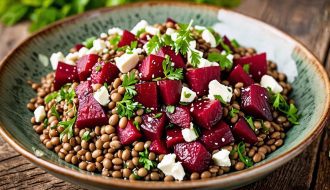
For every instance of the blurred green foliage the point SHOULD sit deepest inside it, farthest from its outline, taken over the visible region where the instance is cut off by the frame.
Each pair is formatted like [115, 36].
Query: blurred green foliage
[44, 12]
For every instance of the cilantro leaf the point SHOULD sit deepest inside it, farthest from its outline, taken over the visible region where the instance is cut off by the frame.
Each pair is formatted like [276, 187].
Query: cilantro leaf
[170, 109]
[194, 57]
[144, 160]
[222, 59]
[88, 43]
[127, 107]
[68, 128]
[154, 44]
[169, 71]
[129, 82]
[241, 150]
[50, 97]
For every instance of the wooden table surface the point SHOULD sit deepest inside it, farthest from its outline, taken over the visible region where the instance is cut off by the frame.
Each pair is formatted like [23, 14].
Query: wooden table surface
[306, 20]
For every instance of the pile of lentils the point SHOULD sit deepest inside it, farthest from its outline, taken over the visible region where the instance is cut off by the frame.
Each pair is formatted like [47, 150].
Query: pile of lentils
[103, 152]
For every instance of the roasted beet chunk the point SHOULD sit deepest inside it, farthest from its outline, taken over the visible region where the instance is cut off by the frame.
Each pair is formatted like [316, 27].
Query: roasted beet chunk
[158, 147]
[104, 72]
[227, 42]
[176, 58]
[193, 155]
[65, 74]
[83, 89]
[198, 79]
[85, 65]
[151, 67]
[173, 137]
[239, 75]
[129, 134]
[206, 113]
[126, 39]
[180, 117]
[78, 46]
[153, 125]
[255, 102]
[244, 132]
[220, 135]
[90, 113]
[258, 65]
[147, 94]
[170, 91]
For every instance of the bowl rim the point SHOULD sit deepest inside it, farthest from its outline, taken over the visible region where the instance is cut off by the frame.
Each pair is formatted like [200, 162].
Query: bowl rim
[243, 176]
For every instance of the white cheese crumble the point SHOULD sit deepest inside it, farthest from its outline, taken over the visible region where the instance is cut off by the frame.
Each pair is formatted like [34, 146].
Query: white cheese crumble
[192, 44]
[152, 30]
[230, 57]
[127, 62]
[103, 35]
[269, 82]
[171, 168]
[99, 45]
[169, 31]
[216, 88]
[206, 63]
[71, 58]
[55, 58]
[174, 36]
[115, 30]
[139, 26]
[102, 96]
[187, 95]
[83, 51]
[40, 114]
[189, 134]
[221, 158]
[208, 37]
[197, 27]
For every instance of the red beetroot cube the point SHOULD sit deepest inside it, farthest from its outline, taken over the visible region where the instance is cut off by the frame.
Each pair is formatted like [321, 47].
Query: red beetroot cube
[151, 67]
[147, 94]
[158, 147]
[170, 91]
[199, 79]
[206, 113]
[129, 134]
[258, 65]
[126, 39]
[65, 74]
[193, 155]
[180, 117]
[227, 42]
[244, 132]
[220, 135]
[104, 72]
[83, 89]
[90, 113]
[239, 75]
[173, 137]
[78, 46]
[153, 125]
[85, 65]
[255, 102]
[176, 58]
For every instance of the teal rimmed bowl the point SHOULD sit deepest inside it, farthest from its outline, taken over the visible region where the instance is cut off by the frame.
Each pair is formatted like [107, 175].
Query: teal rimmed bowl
[309, 80]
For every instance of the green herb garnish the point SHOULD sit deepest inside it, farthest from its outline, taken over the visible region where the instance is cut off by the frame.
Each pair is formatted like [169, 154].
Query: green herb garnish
[233, 112]
[86, 136]
[45, 122]
[98, 68]
[54, 112]
[241, 150]
[127, 107]
[68, 128]
[129, 82]
[235, 43]
[129, 49]
[170, 72]
[218, 97]
[88, 43]
[158, 115]
[66, 93]
[115, 40]
[50, 97]
[186, 95]
[144, 160]
[170, 109]
[222, 59]
[250, 121]
[154, 44]
[279, 103]
[137, 125]
[246, 68]
[141, 31]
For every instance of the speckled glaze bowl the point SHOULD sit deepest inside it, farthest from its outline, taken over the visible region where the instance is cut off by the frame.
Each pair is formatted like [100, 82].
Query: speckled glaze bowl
[310, 82]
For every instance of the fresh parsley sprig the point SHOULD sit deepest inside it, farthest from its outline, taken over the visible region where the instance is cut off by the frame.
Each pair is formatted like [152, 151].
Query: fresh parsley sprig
[144, 160]
[68, 127]
[169, 71]
[127, 107]
[250, 121]
[220, 58]
[233, 112]
[65, 93]
[218, 97]
[128, 48]
[154, 44]
[241, 150]
[129, 82]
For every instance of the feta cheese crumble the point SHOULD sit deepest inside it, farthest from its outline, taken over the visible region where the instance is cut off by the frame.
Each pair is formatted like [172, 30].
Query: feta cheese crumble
[269, 82]
[216, 88]
[115, 30]
[169, 31]
[171, 168]
[40, 114]
[139, 26]
[187, 95]
[189, 134]
[206, 63]
[152, 30]
[99, 45]
[127, 62]
[209, 38]
[55, 58]
[102, 96]
[221, 158]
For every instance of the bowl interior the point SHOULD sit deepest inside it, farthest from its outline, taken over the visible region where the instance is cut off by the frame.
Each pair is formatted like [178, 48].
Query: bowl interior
[24, 64]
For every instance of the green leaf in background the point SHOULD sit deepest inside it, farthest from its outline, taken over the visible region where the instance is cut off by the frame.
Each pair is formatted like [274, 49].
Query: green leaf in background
[32, 3]
[80, 5]
[114, 2]
[43, 16]
[14, 14]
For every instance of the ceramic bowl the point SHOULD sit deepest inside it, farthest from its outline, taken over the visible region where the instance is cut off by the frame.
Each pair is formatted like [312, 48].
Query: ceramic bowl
[309, 80]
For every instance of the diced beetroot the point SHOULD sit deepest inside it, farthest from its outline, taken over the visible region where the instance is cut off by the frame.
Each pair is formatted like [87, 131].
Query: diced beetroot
[239, 75]
[152, 126]
[83, 89]
[126, 39]
[78, 46]
[65, 74]
[227, 42]
[171, 20]
[193, 155]
[206, 113]
[90, 113]
[104, 72]
[180, 117]
[158, 147]
[255, 102]
[170, 91]
[129, 134]
[258, 65]
[175, 58]
[173, 137]
[85, 65]
[219, 136]
[147, 94]
[151, 67]
[198, 79]
[244, 132]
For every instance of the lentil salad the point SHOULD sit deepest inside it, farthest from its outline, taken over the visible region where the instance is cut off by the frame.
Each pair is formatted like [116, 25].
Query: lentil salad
[148, 104]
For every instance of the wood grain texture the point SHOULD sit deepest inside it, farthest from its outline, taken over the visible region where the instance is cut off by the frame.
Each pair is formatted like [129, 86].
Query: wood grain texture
[306, 20]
